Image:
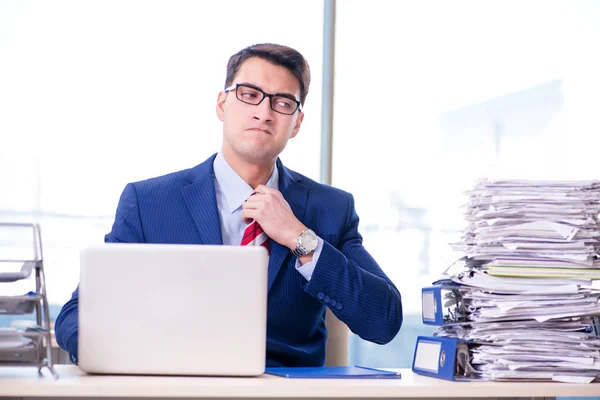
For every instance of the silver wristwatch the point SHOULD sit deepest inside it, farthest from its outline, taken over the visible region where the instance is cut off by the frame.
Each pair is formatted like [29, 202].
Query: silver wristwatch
[306, 243]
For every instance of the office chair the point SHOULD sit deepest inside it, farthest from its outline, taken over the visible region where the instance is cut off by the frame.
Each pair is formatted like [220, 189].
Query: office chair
[336, 348]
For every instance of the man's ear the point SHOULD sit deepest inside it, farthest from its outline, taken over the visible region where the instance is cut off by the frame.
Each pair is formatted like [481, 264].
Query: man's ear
[221, 105]
[298, 123]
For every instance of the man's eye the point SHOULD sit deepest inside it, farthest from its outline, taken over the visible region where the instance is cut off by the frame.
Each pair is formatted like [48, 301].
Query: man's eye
[249, 95]
[284, 104]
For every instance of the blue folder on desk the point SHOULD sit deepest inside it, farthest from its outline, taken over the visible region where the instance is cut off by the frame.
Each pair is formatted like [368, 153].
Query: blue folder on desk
[332, 373]
[438, 357]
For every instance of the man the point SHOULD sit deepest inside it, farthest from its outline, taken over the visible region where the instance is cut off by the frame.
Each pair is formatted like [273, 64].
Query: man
[317, 259]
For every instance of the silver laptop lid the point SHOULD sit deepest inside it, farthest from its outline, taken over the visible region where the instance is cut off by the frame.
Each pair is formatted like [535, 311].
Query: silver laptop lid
[173, 309]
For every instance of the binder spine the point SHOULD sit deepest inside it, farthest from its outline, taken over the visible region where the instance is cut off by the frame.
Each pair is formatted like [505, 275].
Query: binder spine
[433, 310]
[435, 357]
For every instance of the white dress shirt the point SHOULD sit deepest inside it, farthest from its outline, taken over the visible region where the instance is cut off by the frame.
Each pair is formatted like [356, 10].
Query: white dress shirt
[232, 191]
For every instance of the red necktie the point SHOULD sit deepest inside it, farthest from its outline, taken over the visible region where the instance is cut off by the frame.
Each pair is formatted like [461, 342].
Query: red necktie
[255, 236]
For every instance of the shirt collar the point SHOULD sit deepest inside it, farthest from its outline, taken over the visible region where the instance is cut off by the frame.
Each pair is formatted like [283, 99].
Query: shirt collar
[235, 190]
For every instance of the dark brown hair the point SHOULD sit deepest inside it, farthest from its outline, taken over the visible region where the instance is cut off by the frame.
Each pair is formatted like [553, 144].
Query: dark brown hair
[276, 54]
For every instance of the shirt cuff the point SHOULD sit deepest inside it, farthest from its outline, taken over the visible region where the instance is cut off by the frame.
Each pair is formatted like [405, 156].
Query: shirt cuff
[307, 269]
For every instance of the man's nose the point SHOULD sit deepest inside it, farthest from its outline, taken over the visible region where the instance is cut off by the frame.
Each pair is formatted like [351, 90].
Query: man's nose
[263, 111]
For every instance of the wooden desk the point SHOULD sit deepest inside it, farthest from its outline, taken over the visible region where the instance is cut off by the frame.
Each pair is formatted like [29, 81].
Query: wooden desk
[25, 383]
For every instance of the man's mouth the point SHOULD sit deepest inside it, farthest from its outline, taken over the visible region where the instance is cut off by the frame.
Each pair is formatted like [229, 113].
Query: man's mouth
[260, 130]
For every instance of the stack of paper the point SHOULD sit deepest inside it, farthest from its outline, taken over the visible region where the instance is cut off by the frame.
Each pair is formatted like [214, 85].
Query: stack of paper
[541, 229]
[527, 281]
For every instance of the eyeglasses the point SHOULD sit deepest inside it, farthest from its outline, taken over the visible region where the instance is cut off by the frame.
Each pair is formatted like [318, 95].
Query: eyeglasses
[281, 103]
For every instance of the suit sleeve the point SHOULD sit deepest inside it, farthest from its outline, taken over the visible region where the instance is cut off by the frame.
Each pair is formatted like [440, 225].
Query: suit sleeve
[126, 228]
[66, 326]
[351, 283]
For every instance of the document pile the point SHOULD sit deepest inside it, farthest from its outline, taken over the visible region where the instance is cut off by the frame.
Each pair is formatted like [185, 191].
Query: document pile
[522, 305]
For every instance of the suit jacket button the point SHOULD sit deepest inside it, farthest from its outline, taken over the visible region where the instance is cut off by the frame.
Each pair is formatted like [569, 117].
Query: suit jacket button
[332, 303]
[326, 299]
[339, 307]
[320, 295]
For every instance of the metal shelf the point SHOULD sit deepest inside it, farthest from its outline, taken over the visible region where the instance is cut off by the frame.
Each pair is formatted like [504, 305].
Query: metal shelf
[38, 352]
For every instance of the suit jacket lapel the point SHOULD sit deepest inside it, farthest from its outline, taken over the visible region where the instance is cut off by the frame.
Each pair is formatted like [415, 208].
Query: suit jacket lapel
[200, 198]
[296, 195]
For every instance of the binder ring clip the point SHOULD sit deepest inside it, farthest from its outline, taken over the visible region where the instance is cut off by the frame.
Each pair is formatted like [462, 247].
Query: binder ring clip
[442, 358]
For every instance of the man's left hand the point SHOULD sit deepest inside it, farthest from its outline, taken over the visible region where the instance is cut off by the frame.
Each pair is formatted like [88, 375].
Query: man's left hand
[268, 207]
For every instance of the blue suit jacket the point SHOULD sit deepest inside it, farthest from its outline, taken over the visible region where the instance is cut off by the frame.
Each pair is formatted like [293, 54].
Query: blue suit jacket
[181, 208]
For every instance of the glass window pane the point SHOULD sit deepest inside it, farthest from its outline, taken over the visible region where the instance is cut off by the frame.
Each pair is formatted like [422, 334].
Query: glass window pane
[450, 92]
[98, 94]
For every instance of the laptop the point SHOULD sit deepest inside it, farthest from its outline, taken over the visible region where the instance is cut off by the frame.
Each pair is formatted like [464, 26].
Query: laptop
[162, 309]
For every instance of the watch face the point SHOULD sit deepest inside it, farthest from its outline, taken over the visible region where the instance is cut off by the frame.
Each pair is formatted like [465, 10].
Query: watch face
[309, 241]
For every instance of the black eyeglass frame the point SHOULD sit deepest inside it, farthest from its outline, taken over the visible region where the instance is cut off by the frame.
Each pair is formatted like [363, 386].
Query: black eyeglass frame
[235, 87]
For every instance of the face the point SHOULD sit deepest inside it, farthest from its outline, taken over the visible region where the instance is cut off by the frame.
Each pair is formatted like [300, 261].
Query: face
[255, 133]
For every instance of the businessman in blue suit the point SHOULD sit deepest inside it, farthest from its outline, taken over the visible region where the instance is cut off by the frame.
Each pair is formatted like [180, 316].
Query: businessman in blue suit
[317, 259]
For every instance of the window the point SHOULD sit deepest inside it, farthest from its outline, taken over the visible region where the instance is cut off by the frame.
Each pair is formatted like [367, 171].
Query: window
[430, 96]
[98, 94]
